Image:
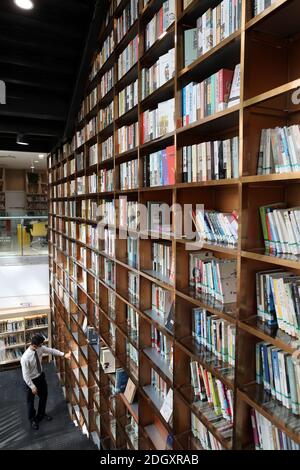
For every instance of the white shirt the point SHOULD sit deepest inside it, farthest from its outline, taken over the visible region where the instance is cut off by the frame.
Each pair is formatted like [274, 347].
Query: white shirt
[29, 366]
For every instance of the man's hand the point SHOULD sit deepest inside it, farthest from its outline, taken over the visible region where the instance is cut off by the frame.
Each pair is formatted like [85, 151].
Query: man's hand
[34, 391]
[68, 355]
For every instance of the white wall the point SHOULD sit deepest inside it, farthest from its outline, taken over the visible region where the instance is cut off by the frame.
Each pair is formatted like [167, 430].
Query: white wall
[21, 285]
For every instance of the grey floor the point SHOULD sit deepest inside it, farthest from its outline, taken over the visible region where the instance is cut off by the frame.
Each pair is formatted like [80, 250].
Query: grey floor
[15, 431]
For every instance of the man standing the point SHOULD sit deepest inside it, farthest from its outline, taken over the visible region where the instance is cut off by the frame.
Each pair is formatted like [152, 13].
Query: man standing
[34, 378]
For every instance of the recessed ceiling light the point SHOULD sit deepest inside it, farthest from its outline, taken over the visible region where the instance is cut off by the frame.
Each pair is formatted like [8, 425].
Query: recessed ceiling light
[25, 4]
[36, 161]
[21, 140]
[41, 156]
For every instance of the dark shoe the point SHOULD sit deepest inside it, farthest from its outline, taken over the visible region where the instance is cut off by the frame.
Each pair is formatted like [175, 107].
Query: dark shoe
[45, 417]
[34, 425]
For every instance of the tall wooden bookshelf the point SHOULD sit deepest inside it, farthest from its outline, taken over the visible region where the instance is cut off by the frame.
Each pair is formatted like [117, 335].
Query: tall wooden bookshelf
[266, 48]
[36, 193]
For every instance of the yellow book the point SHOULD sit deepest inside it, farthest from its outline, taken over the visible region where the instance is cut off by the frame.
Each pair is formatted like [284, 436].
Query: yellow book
[214, 394]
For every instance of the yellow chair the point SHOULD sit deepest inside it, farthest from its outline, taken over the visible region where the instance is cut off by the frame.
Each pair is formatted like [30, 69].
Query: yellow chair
[39, 231]
[23, 234]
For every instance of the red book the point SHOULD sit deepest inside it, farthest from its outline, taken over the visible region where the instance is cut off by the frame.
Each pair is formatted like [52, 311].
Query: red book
[171, 164]
[224, 77]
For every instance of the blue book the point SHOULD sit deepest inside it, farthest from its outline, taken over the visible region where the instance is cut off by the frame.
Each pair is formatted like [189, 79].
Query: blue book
[121, 380]
[266, 371]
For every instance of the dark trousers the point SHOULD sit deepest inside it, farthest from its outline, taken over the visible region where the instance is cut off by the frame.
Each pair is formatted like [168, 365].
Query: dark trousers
[42, 388]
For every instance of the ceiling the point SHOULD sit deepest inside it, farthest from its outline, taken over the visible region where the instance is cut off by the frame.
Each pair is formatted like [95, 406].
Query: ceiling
[41, 53]
[22, 160]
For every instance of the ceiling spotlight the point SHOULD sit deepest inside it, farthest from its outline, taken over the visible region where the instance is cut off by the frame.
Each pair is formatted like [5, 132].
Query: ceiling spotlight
[21, 140]
[36, 161]
[25, 4]
[41, 156]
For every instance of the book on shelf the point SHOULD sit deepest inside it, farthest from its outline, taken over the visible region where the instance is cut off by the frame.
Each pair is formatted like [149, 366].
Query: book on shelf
[214, 334]
[110, 241]
[279, 375]
[107, 212]
[129, 175]
[8, 326]
[281, 228]
[132, 320]
[130, 391]
[9, 355]
[212, 27]
[266, 436]
[162, 345]
[200, 432]
[159, 167]
[234, 95]
[92, 128]
[128, 214]
[133, 287]
[128, 137]
[107, 82]
[106, 116]
[200, 100]
[92, 99]
[132, 357]
[121, 380]
[160, 22]
[109, 272]
[92, 183]
[107, 148]
[107, 360]
[106, 180]
[210, 161]
[279, 150]
[11, 340]
[278, 300]
[158, 74]
[214, 278]
[127, 18]
[159, 385]
[216, 227]
[159, 121]
[158, 218]
[209, 389]
[163, 261]
[132, 251]
[260, 5]
[128, 98]
[80, 137]
[103, 55]
[128, 58]
[167, 407]
[162, 302]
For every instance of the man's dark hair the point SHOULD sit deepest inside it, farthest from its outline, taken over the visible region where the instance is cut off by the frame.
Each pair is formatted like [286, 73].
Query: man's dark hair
[37, 340]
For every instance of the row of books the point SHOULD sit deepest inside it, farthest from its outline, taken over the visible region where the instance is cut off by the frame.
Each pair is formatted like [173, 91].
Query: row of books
[132, 320]
[107, 82]
[110, 242]
[80, 137]
[93, 155]
[158, 74]
[108, 212]
[212, 95]
[216, 227]
[128, 98]
[92, 99]
[92, 183]
[128, 137]
[128, 58]
[203, 435]
[109, 272]
[11, 354]
[133, 288]
[160, 22]
[10, 340]
[260, 5]
[159, 385]
[279, 375]
[92, 128]
[107, 148]
[279, 150]
[211, 160]
[89, 209]
[214, 334]
[106, 116]
[132, 251]
[132, 356]
[266, 436]
[102, 56]
[214, 278]
[163, 345]
[159, 167]
[79, 159]
[11, 325]
[126, 20]
[215, 25]
[278, 300]
[281, 228]
[162, 304]
[129, 175]
[163, 261]
[158, 121]
[128, 213]
[36, 322]
[208, 388]
[106, 180]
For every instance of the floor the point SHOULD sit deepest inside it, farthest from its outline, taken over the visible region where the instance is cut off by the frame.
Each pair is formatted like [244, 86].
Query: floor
[15, 431]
